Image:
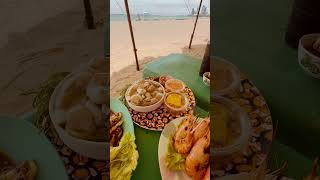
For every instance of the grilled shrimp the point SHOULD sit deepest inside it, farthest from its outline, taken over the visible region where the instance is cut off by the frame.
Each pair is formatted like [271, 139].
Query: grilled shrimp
[201, 129]
[198, 159]
[183, 138]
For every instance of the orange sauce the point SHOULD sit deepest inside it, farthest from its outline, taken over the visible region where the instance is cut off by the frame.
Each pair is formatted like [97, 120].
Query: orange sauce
[175, 85]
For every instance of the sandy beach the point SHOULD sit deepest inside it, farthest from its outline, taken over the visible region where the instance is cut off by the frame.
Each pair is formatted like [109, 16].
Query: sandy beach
[153, 39]
[19, 16]
[60, 41]
[47, 41]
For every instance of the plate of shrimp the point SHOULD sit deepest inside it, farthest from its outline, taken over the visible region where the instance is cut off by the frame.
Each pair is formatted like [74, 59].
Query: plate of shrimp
[184, 149]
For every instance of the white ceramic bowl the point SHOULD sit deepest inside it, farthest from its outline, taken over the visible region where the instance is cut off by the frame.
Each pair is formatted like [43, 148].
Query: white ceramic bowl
[241, 116]
[144, 108]
[182, 108]
[91, 149]
[233, 84]
[177, 80]
[205, 79]
[307, 60]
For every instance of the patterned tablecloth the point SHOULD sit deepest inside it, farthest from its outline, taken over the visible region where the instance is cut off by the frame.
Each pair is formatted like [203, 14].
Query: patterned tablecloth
[78, 167]
[157, 119]
[260, 140]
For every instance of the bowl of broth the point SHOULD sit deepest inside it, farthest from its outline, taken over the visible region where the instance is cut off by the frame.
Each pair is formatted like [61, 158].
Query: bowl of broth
[231, 127]
[225, 77]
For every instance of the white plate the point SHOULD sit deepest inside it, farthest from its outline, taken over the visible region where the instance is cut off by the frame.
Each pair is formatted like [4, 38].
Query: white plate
[21, 141]
[166, 174]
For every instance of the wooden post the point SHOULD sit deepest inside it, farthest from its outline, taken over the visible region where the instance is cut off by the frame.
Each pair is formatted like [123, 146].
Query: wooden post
[89, 16]
[131, 32]
[195, 24]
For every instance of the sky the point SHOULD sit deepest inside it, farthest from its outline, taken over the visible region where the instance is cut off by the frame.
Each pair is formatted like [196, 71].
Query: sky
[157, 7]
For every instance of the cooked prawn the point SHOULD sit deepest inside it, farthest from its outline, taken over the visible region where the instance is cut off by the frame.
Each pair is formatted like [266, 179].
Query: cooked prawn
[207, 175]
[183, 138]
[201, 129]
[198, 159]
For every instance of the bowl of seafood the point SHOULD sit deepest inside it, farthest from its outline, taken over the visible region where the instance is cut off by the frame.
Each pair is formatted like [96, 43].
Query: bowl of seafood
[78, 109]
[176, 102]
[174, 85]
[232, 127]
[184, 149]
[225, 77]
[309, 54]
[116, 130]
[120, 122]
[145, 95]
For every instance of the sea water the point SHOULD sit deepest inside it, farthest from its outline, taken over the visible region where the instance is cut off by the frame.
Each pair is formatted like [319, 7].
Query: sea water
[149, 17]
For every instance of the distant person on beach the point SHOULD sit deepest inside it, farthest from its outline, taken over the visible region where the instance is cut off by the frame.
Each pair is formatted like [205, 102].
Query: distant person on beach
[138, 17]
[193, 12]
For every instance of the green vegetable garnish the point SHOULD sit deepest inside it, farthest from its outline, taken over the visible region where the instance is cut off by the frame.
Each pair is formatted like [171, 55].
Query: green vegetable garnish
[123, 158]
[174, 160]
[42, 98]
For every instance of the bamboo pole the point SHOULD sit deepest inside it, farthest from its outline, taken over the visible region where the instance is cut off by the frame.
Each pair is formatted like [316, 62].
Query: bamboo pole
[89, 16]
[195, 24]
[131, 32]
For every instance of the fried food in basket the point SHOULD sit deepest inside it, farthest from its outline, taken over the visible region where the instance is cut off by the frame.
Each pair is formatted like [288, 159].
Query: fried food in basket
[116, 130]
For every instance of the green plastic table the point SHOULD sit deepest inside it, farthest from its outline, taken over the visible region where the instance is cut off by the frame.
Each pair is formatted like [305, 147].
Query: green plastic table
[250, 34]
[298, 164]
[182, 67]
[22, 141]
